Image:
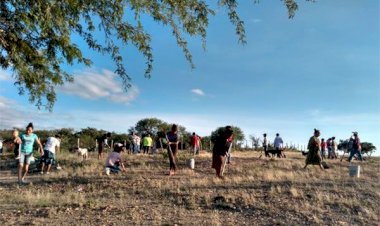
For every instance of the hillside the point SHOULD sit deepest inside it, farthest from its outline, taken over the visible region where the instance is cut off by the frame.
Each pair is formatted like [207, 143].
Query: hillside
[253, 192]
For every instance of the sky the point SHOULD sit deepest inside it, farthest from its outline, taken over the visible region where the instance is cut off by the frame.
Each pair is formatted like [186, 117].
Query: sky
[318, 70]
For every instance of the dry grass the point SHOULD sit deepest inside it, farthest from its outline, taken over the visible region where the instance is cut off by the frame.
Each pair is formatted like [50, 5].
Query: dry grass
[254, 192]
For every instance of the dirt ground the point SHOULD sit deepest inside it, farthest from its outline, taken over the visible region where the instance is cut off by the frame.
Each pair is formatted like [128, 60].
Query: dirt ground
[254, 192]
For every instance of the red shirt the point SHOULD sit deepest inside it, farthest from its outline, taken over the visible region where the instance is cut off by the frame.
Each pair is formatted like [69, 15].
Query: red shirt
[195, 140]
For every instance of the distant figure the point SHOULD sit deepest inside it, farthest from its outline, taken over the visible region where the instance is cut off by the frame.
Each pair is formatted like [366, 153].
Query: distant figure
[323, 148]
[314, 154]
[27, 142]
[172, 139]
[278, 143]
[195, 143]
[265, 145]
[147, 143]
[102, 141]
[329, 148]
[135, 143]
[334, 148]
[356, 147]
[1, 146]
[114, 163]
[16, 144]
[51, 147]
[222, 143]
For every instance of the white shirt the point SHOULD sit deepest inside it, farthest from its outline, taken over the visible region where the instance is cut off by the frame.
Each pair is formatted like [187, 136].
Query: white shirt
[51, 143]
[265, 142]
[278, 142]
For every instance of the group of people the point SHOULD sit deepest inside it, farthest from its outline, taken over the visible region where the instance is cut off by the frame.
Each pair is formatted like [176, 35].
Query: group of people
[23, 149]
[114, 163]
[277, 143]
[147, 143]
[315, 147]
[329, 148]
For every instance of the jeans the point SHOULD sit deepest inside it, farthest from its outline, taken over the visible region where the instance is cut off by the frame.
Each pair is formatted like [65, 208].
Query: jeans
[114, 169]
[136, 148]
[353, 152]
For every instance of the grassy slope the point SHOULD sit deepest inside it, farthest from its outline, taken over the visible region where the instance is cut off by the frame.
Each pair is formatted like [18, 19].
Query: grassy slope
[254, 192]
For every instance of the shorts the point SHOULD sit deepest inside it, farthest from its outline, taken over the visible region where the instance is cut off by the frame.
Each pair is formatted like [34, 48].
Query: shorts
[48, 158]
[25, 158]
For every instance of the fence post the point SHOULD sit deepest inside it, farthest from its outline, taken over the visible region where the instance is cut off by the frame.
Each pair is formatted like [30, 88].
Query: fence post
[78, 142]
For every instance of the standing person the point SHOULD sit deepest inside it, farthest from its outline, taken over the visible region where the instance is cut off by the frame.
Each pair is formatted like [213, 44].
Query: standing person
[27, 141]
[172, 139]
[147, 143]
[136, 143]
[102, 141]
[51, 147]
[1, 146]
[114, 163]
[334, 148]
[323, 148]
[278, 143]
[265, 145]
[329, 151]
[356, 147]
[314, 154]
[16, 144]
[194, 143]
[222, 142]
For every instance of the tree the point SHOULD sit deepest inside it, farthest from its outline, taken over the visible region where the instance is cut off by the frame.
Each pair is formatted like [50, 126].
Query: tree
[148, 125]
[368, 148]
[255, 141]
[238, 134]
[36, 37]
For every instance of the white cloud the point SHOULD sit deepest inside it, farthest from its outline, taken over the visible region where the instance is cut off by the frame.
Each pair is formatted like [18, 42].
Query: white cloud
[5, 76]
[198, 92]
[255, 20]
[94, 85]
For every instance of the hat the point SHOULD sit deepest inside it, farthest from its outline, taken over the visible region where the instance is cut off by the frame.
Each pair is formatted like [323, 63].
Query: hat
[316, 131]
[355, 133]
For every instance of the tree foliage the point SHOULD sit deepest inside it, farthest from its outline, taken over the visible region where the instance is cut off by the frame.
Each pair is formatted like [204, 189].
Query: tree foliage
[367, 147]
[36, 37]
[150, 125]
[238, 134]
[256, 141]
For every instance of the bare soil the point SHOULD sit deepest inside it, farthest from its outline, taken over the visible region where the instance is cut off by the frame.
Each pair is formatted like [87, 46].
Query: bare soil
[254, 192]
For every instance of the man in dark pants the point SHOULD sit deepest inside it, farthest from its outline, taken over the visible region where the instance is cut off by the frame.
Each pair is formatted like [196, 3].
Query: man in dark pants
[265, 145]
[103, 140]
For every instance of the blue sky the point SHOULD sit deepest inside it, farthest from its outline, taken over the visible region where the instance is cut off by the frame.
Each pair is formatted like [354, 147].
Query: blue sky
[318, 70]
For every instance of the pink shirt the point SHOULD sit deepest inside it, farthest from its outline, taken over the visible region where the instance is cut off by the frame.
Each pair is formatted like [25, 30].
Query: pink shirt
[112, 158]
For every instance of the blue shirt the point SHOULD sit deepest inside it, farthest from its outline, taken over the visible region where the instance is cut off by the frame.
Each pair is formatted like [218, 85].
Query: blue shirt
[28, 142]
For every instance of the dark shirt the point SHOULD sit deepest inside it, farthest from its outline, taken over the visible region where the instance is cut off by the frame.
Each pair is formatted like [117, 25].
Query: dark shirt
[356, 143]
[172, 137]
[102, 139]
[222, 145]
